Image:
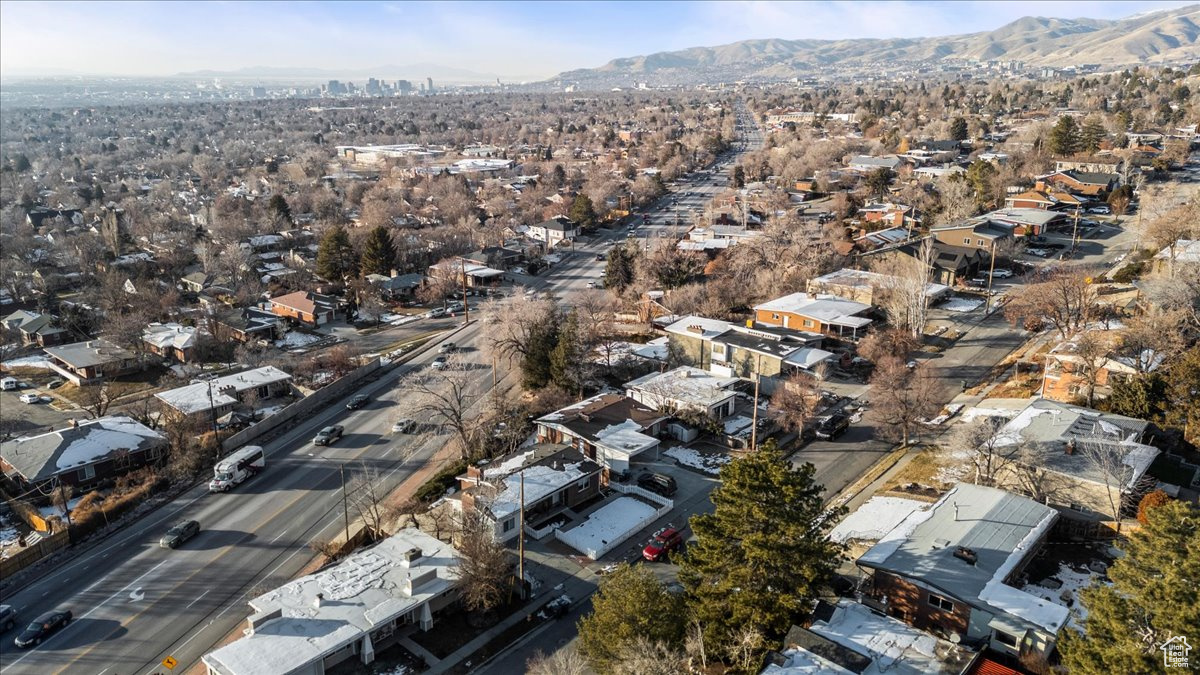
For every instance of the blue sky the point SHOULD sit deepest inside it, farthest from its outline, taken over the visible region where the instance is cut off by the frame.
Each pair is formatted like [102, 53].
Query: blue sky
[518, 40]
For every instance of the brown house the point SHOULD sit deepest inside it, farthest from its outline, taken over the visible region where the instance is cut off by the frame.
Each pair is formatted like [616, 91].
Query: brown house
[245, 324]
[608, 429]
[826, 314]
[93, 360]
[35, 329]
[305, 307]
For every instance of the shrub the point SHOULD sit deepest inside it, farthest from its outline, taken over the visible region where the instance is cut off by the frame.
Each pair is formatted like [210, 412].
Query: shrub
[1151, 501]
[443, 480]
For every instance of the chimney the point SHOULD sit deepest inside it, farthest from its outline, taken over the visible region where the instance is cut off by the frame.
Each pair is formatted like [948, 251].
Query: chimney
[956, 513]
[1070, 447]
[410, 555]
[317, 600]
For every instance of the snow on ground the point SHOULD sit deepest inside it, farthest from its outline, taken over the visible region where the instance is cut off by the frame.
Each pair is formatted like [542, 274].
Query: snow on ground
[293, 339]
[803, 662]
[8, 536]
[875, 518]
[708, 463]
[960, 305]
[1067, 595]
[608, 526]
[48, 511]
[28, 362]
[395, 670]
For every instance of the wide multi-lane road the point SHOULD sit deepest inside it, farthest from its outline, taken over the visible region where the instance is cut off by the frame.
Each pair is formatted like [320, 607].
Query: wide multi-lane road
[136, 603]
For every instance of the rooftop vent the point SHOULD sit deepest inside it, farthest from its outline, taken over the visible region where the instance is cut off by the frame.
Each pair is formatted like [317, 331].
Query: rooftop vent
[412, 554]
[966, 554]
[317, 600]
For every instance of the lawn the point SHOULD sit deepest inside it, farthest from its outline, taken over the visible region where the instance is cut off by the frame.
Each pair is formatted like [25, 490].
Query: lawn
[146, 380]
[928, 468]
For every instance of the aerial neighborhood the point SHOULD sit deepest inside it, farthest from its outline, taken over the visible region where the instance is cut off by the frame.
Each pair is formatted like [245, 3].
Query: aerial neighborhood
[893, 367]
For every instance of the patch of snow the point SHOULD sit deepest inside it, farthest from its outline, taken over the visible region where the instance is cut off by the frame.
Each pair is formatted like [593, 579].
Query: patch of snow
[708, 463]
[892, 646]
[875, 518]
[737, 425]
[540, 482]
[508, 466]
[608, 526]
[891, 542]
[961, 305]
[1017, 602]
[803, 662]
[293, 339]
[102, 437]
[1068, 594]
[49, 511]
[28, 362]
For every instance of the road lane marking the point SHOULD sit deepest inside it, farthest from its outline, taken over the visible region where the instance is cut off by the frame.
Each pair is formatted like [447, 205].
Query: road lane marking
[280, 535]
[137, 595]
[189, 605]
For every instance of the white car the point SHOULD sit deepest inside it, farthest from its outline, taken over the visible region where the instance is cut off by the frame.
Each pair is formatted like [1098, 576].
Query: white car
[404, 426]
[441, 363]
[1001, 273]
[30, 398]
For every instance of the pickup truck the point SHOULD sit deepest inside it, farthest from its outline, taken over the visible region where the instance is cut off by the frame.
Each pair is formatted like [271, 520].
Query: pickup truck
[328, 435]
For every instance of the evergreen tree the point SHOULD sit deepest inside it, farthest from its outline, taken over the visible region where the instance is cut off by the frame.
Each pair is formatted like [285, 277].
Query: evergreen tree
[878, 181]
[631, 605]
[1153, 597]
[582, 212]
[279, 210]
[1091, 135]
[739, 176]
[543, 339]
[567, 358]
[1140, 396]
[336, 259]
[763, 554]
[980, 175]
[958, 129]
[379, 253]
[1064, 137]
[619, 272]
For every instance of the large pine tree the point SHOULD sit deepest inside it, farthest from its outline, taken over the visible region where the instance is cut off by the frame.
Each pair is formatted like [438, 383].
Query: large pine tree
[336, 259]
[1064, 137]
[619, 272]
[1154, 596]
[582, 212]
[763, 554]
[632, 605]
[379, 252]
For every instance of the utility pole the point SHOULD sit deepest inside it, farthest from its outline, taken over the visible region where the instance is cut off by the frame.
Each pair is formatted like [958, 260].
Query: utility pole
[1075, 231]
[991, 270]
[754, 415]
[466, 303]
[521, 537]
[345, 506]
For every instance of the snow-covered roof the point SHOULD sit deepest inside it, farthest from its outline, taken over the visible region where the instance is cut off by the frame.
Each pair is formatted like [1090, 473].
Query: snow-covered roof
[705, 328]
[826, 308]
[204, 395]
[684, 386]
[862, 279]
[892, 646]
[170, 335]
[808, 357]
[1186, 251]
[364, 592]
[39, 457]
[998, 527]
[875, 518]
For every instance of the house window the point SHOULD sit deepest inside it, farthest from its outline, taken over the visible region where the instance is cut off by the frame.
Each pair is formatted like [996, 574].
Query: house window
[508, 525]
[1077, 507]
[774, 317]
[940, 602]
[966, 240]
[808, 323]
[88, 472]
[1006, 639]
[979, 241]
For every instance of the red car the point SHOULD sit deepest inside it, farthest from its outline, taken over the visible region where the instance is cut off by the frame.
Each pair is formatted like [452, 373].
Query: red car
[664, 542]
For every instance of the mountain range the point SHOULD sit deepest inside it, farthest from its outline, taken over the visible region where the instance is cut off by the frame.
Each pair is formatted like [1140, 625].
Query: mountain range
[1168, 36]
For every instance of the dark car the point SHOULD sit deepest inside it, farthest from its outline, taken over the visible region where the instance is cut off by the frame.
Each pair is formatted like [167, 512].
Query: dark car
[8, 617]
[657, 483]
[558, 607]
[832, 426]
[358, 401]
[663, 543]
[43, 627]
[328, 435]
[599, 256]
[179, 534]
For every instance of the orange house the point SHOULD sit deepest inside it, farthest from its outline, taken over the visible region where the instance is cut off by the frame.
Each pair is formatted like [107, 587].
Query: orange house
[306, 307]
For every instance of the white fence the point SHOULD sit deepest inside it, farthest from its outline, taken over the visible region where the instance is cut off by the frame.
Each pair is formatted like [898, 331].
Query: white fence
[664, 506]
[666, 502]
[542, 533]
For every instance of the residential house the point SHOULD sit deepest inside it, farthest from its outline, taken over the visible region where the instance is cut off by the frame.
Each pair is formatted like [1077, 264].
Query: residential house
[1051, 200]
[608, 429]
[245, 324]
[498, 257]
[867, 164]
[195, 282]
[1068, 376]
[864, 287]
[976, 233]
[1026, 222]
[467, 273]
[761, 352]
[92, 360]
[1107, 165]
[171, 340]
[212, 399]
[686, 388]
[1095, 185]
[849, 638]
[888, 214]
[892, 236]
[817, 313]
[81, 455]
[552, 476]
[1183, 252]
[931, 173]
[354, 609]
[398, 286]
[41, 215]
[948, 570]
[313, 309]
[1057, 463]
[554, 232]
[35, 329]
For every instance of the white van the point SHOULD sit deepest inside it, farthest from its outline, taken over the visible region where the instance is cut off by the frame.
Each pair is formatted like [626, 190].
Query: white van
[9, 384]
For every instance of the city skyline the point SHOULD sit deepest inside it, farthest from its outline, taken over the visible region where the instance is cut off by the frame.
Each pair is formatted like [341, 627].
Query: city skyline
[516, 41]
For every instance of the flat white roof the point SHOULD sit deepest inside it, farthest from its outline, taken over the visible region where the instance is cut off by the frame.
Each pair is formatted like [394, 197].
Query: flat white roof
[686, 385]
[827, 308]
[369, 588]
[194, 397]
[709, 327]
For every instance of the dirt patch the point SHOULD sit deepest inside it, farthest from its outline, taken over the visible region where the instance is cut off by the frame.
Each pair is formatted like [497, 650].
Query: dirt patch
[921, 474]
[457, 629]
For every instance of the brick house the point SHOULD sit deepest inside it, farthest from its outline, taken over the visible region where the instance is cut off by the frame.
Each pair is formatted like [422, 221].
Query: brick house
[35, 329]
[1066, 375]
[81, 455]
[305, 307]
[245, 324]
[1049, 200]
[947, 570]
[827, 314]
[1084, 183]
[93, 360]
[171, 340]
[755, 352]
[608, 429]
[556, 477]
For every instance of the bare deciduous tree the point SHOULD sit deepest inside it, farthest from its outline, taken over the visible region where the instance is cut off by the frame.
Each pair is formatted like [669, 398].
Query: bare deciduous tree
[904, 293]
[565, 661]
[366, 496]
[484, 566]
[95, 399]
[445, 398]
[794, 402]
[902, 396]
[990, 455]
[1065, 298]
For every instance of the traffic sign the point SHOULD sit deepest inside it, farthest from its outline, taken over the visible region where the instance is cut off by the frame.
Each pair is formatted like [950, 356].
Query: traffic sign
[170, 662]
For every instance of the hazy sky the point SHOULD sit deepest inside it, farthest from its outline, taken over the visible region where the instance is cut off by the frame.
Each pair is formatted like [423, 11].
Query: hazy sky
[513, 39]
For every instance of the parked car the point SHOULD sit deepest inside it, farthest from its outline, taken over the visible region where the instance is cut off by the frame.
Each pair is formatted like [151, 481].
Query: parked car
[1101, 210]
[599, 256]
[30, 398]
[404, 426]
[558, 607]
[55, 383]
[43, 627]
[663, 543]
[591, 284]
[358, 401]
[177, 535]
[437, 312]
[8, 617]
[832, 426]
[447, 347]
[454, 307]
[1001, 273]
[657, 483]
[328, 435]
[440, 363]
